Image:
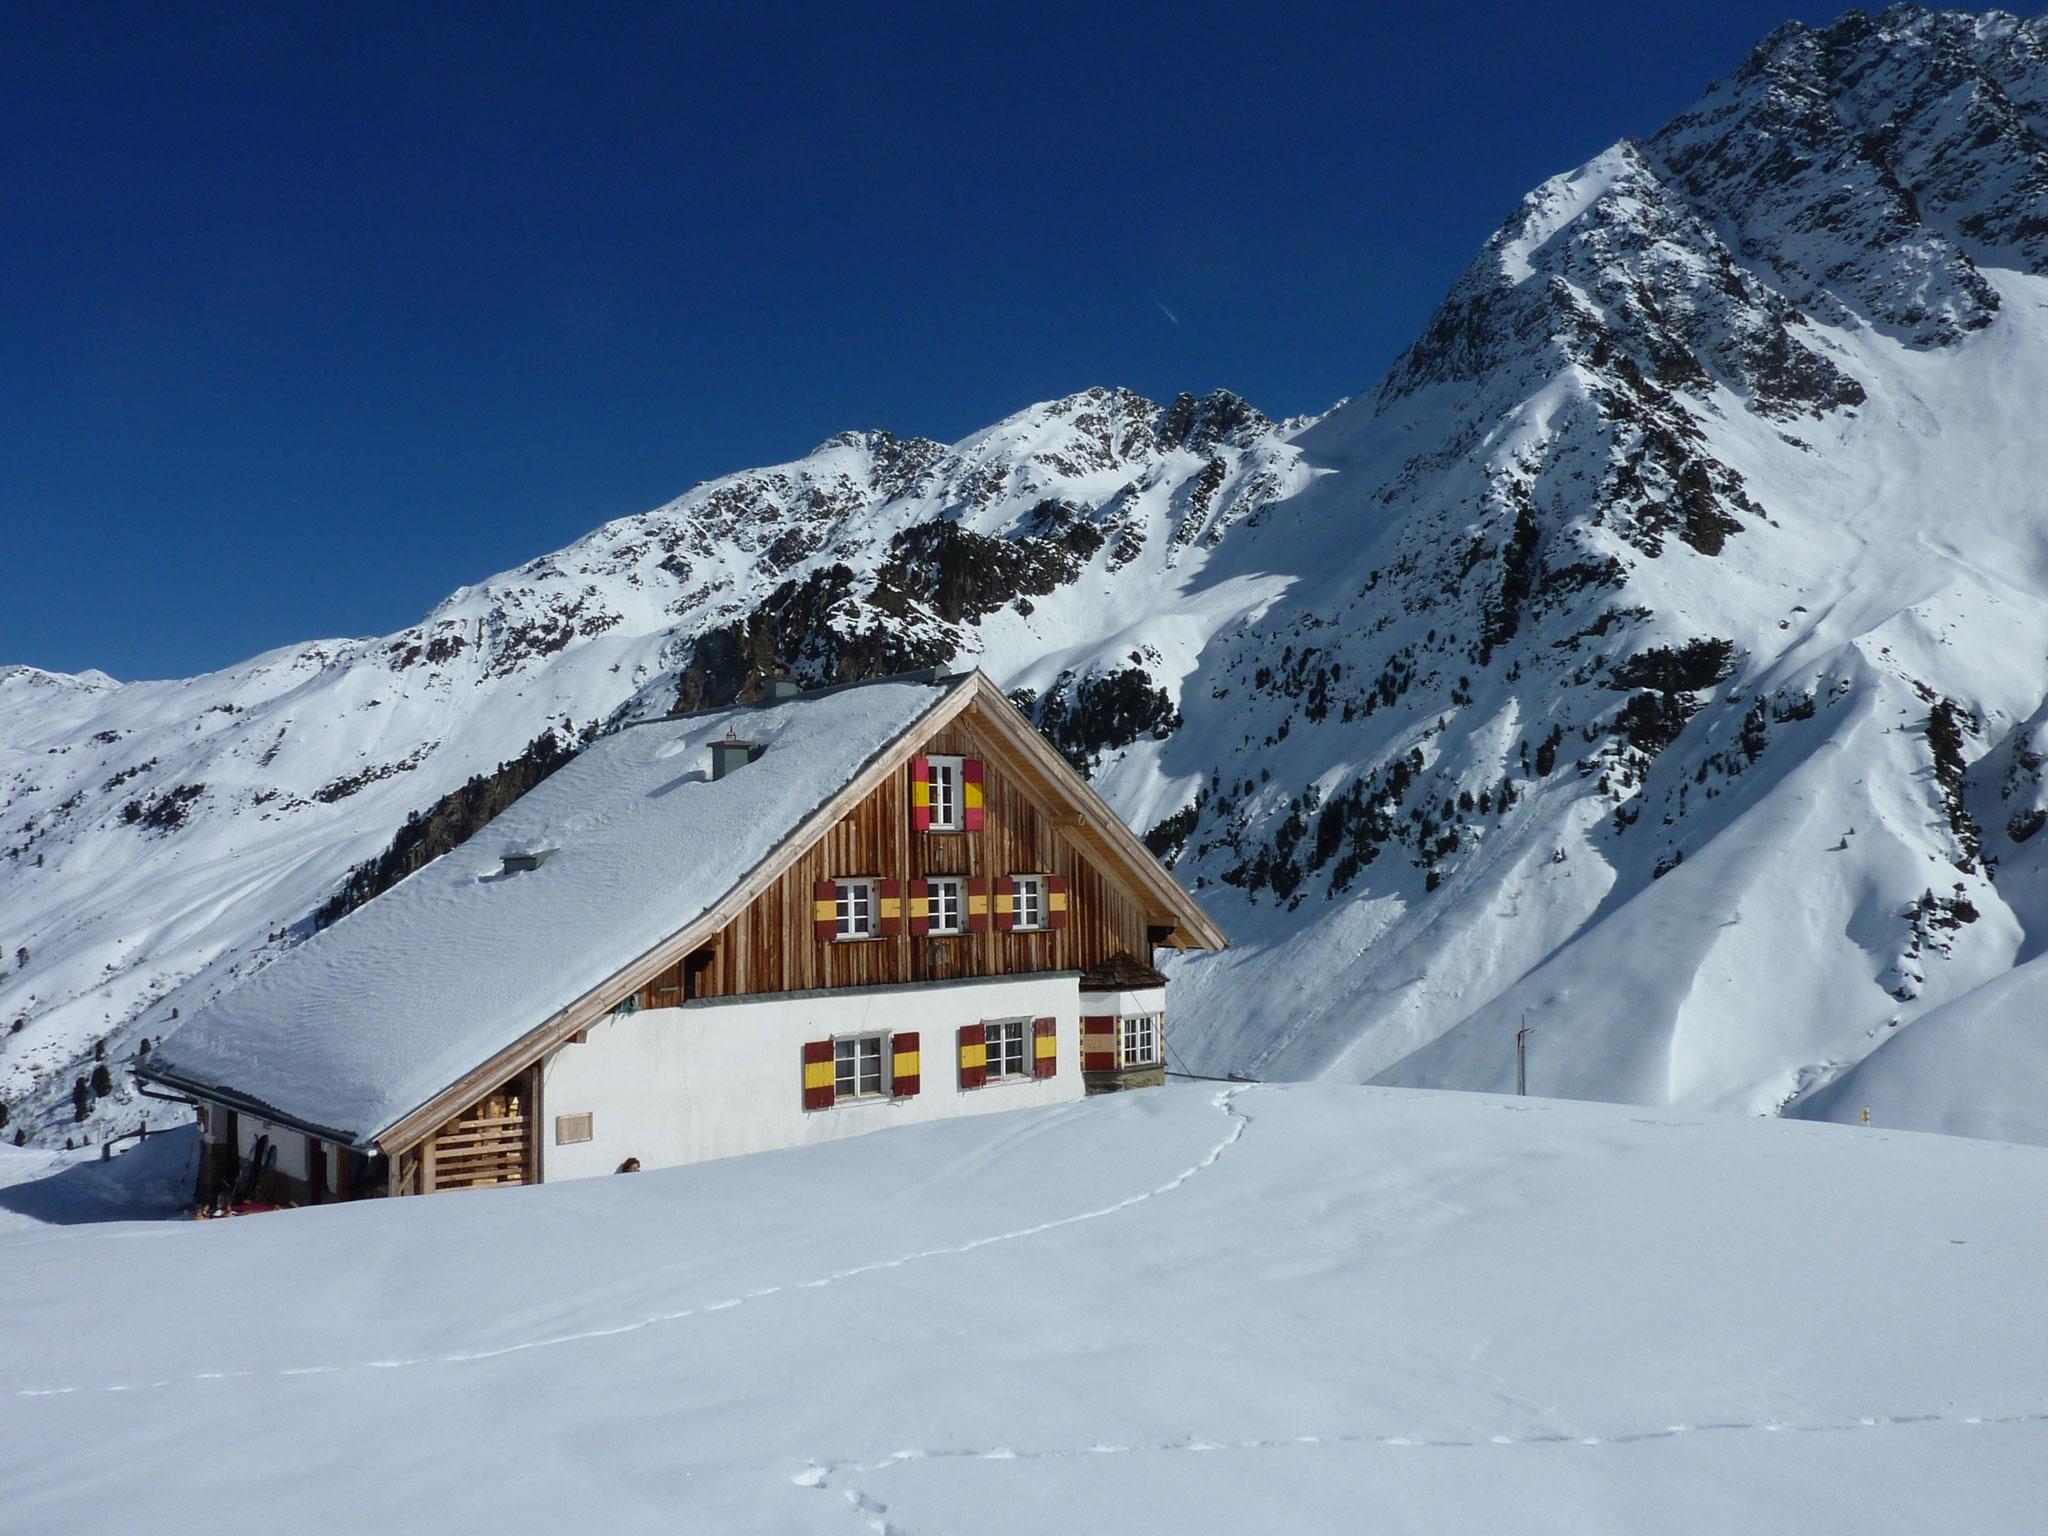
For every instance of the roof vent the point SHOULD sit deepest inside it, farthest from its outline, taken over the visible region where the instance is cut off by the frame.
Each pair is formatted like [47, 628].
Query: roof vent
[780, 687]
[731, 753]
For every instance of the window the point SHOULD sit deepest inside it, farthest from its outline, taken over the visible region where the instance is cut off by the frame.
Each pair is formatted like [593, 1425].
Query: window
[1027, 901]
[857, 1067]
[1008, 1044]
[854, 907]
[1141, 1040]
[942, 777]
[947, 909]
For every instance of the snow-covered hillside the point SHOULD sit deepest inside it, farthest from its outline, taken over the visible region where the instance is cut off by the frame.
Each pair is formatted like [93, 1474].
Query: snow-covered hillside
[1658, 655]
[1485, 1315]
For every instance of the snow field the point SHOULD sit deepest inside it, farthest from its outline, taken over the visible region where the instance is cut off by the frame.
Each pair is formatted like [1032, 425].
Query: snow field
[1310, 1307]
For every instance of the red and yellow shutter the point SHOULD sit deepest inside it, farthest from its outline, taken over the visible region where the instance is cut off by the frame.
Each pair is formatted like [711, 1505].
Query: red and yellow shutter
[919, 905]
[977, 906]
[970, 794]
[1045, 1047]
[903, 1064]
[1098, 1042]
[888, 908]
[973, 1056]
[920, 794]
[817, 1074]
[1005, 904]
[825, 910]
[1055, 901]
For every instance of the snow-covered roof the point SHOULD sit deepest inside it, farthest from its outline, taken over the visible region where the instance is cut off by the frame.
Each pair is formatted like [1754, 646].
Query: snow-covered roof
[372, 1018]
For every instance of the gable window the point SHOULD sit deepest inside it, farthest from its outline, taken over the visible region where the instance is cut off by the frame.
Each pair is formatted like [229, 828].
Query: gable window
[945, 794]
[942, 780]
[1008, 1050]
[853, 909]
[857, 1063]
[1140, 1040]
[1027, 901]
[946, 910]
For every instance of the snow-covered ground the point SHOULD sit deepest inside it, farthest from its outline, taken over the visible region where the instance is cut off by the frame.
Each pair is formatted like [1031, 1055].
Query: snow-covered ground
[1302, 1308]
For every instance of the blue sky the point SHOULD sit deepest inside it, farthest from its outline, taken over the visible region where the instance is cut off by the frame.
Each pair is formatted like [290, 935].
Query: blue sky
[313, 313]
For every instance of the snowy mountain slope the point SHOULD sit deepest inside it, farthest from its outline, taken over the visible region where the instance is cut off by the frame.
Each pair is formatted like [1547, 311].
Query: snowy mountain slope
[1487, 1315]
[1658, 654]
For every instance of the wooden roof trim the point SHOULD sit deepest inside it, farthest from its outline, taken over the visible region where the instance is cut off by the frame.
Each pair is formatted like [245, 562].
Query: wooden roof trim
[629, 978]
[1115, 844]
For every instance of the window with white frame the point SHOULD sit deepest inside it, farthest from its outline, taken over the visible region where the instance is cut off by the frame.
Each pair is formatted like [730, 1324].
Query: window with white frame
[1008, 1044]
[1140, 1040]
[942, 775]
[1027, 901]
[857, 1066]
[854, 908]
[946, 906]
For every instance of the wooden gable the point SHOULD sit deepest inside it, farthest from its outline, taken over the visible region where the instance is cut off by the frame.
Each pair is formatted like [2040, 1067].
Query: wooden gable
[772, 945]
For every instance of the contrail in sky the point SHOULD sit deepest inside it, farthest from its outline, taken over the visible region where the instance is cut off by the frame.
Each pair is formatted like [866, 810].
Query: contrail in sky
[1167, 312]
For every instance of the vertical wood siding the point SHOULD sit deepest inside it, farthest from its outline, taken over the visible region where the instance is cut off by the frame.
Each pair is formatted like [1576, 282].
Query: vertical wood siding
[771, 947]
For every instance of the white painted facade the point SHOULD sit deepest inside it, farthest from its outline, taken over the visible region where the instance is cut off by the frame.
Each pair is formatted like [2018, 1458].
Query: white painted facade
[725, 1076]
[1123, 1005]
[290, 1143]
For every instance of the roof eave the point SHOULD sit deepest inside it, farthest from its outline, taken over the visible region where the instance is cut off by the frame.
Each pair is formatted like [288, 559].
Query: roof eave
[216, 1093]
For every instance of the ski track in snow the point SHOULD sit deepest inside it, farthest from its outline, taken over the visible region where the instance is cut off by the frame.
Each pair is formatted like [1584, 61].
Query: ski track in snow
[1224, 1101]
[819, 1474]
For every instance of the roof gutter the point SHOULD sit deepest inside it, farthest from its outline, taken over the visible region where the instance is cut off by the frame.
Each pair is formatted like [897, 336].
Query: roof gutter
[230, 1099]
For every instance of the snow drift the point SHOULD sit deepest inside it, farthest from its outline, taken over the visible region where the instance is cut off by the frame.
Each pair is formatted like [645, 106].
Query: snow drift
[1486, 1315]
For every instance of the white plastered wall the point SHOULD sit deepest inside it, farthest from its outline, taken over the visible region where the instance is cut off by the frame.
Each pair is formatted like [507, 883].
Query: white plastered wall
[682, 1085]
[1124, 1004]
[290, 1144]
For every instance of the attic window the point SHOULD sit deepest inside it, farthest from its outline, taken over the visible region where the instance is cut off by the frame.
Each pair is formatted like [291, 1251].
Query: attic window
[522, 862]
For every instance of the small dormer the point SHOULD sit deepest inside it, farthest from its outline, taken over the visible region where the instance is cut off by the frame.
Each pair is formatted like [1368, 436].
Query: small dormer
[521, 861]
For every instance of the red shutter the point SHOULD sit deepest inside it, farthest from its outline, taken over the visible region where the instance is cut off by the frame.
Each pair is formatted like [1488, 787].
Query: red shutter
[1004, 904]
[977, 906]
[970, 794]
[1044, 1047]
[903, 1064]
[920, 913]
[1098, 1042]
[1055, 901]
[888, 908]
[973, 1056]
[920, 794]
[818, 1074]
[825, 910]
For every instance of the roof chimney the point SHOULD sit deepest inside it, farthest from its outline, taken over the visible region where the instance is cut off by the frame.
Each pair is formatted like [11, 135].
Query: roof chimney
[779, 687]
[730, 753]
